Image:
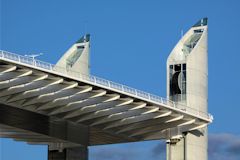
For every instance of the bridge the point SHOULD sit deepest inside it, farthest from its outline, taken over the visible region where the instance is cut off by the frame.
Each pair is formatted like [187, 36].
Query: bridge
[108, 108]
[42, 103]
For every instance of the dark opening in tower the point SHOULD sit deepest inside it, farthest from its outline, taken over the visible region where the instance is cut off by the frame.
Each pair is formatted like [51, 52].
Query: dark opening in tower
[177, 77]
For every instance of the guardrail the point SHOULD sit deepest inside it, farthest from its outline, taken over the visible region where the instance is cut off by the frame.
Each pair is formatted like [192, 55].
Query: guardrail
[101, 81]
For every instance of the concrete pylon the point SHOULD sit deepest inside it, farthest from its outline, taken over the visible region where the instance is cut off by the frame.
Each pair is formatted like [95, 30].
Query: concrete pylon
[74, 61]
[187, 84]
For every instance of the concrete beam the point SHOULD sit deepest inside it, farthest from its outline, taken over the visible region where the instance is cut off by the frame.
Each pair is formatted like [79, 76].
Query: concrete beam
[44, 125]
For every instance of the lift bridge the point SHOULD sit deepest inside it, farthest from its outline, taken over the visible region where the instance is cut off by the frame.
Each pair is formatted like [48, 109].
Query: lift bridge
[47, 104]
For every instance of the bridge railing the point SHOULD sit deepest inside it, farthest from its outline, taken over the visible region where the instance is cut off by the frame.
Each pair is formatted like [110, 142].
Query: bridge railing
[101, 81]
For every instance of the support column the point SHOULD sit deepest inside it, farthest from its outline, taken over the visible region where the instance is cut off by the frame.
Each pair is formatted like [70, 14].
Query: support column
[182, 149]
[175, 149]
[76, 153]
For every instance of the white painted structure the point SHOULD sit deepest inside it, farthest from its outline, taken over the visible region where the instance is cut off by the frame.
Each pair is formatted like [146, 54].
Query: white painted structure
[77, 57]
[112, 112]
[187, 84]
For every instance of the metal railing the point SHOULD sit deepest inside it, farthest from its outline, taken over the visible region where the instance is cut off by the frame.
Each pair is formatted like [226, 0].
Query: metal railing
[101, 82]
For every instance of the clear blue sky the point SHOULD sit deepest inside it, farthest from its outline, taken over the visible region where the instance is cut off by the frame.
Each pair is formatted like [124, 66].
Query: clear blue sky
[130, 42]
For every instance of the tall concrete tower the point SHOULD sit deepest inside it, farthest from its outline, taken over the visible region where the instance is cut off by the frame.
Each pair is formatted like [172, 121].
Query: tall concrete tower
[187, 84]
[76, 59]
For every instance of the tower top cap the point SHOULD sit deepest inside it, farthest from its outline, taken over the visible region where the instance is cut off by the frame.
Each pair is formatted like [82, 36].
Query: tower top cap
[85, 38]
[201, 22]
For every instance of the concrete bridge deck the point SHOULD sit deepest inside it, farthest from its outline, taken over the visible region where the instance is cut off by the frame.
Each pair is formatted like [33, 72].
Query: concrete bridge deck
[50, 104]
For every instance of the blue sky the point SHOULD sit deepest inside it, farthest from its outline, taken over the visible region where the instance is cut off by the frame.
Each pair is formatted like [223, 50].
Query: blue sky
[130, 43]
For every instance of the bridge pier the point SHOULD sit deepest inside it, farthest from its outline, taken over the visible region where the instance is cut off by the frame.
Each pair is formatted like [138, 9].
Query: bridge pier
[76, 153]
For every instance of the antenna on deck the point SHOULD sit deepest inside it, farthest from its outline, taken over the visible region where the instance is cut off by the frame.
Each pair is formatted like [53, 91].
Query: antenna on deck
[33, 56]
